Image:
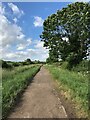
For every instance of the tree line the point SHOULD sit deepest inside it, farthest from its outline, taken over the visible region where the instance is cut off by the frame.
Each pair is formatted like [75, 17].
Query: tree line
[11, 64]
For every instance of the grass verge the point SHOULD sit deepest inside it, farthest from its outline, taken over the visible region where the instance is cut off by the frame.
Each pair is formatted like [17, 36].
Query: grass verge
[74, 87]
[13, 83]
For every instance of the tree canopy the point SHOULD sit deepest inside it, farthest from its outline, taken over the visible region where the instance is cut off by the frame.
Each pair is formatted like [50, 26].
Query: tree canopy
[67, 33]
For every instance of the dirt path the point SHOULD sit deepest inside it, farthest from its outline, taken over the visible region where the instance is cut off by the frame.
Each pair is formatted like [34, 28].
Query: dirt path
[39, 99]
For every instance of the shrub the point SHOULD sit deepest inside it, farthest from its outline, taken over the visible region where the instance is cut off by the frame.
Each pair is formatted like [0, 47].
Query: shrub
[82, 67]
[25, 63]
[16, 64]
[6, 65]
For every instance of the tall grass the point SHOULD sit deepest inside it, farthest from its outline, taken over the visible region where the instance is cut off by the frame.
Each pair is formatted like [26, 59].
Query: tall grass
[10, 73]
[13, 83]
[74, 83]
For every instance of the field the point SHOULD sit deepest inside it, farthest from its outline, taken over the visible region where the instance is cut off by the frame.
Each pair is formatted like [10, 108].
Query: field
[74, 86]
[14, 81]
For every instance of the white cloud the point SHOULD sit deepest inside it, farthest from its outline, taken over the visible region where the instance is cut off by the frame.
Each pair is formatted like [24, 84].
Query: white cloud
[35, 53]
[21, 47]
[42, 52]
[21, 36]
[2, 9]
[15, 9]
[29, 41]
[39, 44]
[24, 44]
[17, 56]
[14, 45]
[22, 55]
[9, 33]
[15, 20]
[38, 21]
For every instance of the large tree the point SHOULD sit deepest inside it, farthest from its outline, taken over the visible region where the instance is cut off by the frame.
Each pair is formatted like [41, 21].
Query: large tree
[67, 33]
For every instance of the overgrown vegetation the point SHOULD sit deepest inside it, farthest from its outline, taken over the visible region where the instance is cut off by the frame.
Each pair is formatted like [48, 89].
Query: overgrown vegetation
[75, 87]
[14, 82]
[82, 67]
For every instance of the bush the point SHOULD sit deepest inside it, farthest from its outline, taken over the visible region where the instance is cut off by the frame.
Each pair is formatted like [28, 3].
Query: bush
[28, 61]
[6, 65]
[73, 60]
[82, 67]
[15, 64]
[25, 63]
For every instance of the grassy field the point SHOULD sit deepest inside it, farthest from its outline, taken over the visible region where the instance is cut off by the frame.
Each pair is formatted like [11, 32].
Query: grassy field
[74, 86]
[14, 81]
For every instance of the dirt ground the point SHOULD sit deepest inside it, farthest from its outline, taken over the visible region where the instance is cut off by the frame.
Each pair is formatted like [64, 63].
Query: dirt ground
[40, 99]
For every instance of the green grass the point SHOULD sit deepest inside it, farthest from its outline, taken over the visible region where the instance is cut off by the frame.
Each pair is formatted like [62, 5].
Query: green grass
[14, 82]
[76, 84]
[9, 73]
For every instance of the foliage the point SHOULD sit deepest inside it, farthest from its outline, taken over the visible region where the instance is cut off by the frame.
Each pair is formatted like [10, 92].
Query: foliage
[82, 67]
[67, 33]
[28, 61]
[15, 64]
[25, 63]
[36, 61]
[13, 83]
[5, 64]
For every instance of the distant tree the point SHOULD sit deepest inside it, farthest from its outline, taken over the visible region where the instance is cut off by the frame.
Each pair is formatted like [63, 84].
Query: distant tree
[28, 60]
[36, 61]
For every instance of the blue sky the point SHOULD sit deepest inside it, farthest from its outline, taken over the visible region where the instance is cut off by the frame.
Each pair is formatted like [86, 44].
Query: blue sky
[42, 10]
[21, 24]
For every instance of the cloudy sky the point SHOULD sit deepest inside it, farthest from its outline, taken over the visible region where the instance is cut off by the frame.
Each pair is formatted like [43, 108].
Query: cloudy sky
[21, 24]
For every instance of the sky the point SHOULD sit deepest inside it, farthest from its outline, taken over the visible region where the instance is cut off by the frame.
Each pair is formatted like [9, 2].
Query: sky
[21, 24]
